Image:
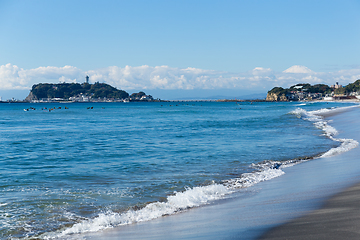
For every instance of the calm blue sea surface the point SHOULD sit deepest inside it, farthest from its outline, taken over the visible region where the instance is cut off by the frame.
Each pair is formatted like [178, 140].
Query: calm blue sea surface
[98, 165]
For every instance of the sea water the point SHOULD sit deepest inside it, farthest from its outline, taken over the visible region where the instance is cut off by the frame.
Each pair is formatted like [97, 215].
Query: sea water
[69, 168]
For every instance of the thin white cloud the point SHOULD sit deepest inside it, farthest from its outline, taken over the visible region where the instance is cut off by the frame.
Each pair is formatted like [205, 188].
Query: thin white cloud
[169, 78]
[13, 77]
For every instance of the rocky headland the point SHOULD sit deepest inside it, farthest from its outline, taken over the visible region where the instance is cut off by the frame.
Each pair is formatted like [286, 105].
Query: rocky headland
[308, 92]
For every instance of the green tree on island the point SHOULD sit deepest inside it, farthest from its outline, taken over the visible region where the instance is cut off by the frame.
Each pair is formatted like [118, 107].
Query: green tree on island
[67, 90]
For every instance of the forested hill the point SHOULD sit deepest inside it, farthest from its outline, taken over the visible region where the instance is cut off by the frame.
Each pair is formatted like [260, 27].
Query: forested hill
[307, 91]
[68, 90]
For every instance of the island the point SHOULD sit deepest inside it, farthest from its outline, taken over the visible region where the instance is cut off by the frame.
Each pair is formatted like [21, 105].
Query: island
[85, 92]
[308, 92]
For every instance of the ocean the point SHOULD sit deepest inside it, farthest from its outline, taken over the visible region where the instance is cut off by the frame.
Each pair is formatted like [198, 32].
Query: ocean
[75, 168]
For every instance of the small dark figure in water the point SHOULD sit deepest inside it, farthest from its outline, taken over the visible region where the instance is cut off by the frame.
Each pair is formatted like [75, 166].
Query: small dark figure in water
[276, 166]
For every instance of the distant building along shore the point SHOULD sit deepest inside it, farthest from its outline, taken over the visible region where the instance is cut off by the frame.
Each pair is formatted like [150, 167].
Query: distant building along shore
[307, 92]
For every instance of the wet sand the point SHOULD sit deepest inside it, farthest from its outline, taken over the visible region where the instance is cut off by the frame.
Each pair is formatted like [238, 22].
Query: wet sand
[338, 218]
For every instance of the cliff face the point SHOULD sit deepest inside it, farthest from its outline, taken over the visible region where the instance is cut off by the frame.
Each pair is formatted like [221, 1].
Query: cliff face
[30, 97]
[273, 97]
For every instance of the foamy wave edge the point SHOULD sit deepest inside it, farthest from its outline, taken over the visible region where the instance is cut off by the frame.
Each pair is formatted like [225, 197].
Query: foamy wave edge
[319, 121]
[180, 201]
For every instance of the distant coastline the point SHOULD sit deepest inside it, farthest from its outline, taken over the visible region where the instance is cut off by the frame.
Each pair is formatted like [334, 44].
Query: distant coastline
[102, 92]
[307, 92]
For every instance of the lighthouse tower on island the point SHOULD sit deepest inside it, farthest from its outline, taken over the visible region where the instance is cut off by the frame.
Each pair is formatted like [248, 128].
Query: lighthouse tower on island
[87, 79]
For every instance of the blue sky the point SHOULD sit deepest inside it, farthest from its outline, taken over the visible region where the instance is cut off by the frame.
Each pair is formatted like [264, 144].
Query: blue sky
[180, 44]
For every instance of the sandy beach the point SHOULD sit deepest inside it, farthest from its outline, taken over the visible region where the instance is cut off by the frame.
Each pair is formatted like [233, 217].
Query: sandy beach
[338, 218]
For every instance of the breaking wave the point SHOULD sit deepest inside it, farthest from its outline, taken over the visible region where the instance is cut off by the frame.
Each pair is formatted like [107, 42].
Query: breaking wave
[180, 201]
[317, 117]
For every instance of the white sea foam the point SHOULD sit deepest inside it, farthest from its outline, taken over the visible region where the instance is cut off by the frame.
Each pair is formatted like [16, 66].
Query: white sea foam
[325, 112]
[318, 118]
[250, 179]
[346, 145]
[180, 201]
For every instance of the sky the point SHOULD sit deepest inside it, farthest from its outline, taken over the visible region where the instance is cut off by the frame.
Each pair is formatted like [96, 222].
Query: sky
[172, 49]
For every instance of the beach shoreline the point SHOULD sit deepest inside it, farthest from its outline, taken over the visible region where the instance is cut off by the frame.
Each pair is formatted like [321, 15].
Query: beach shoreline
[339, 215]
[338, 218]
[254, 211]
